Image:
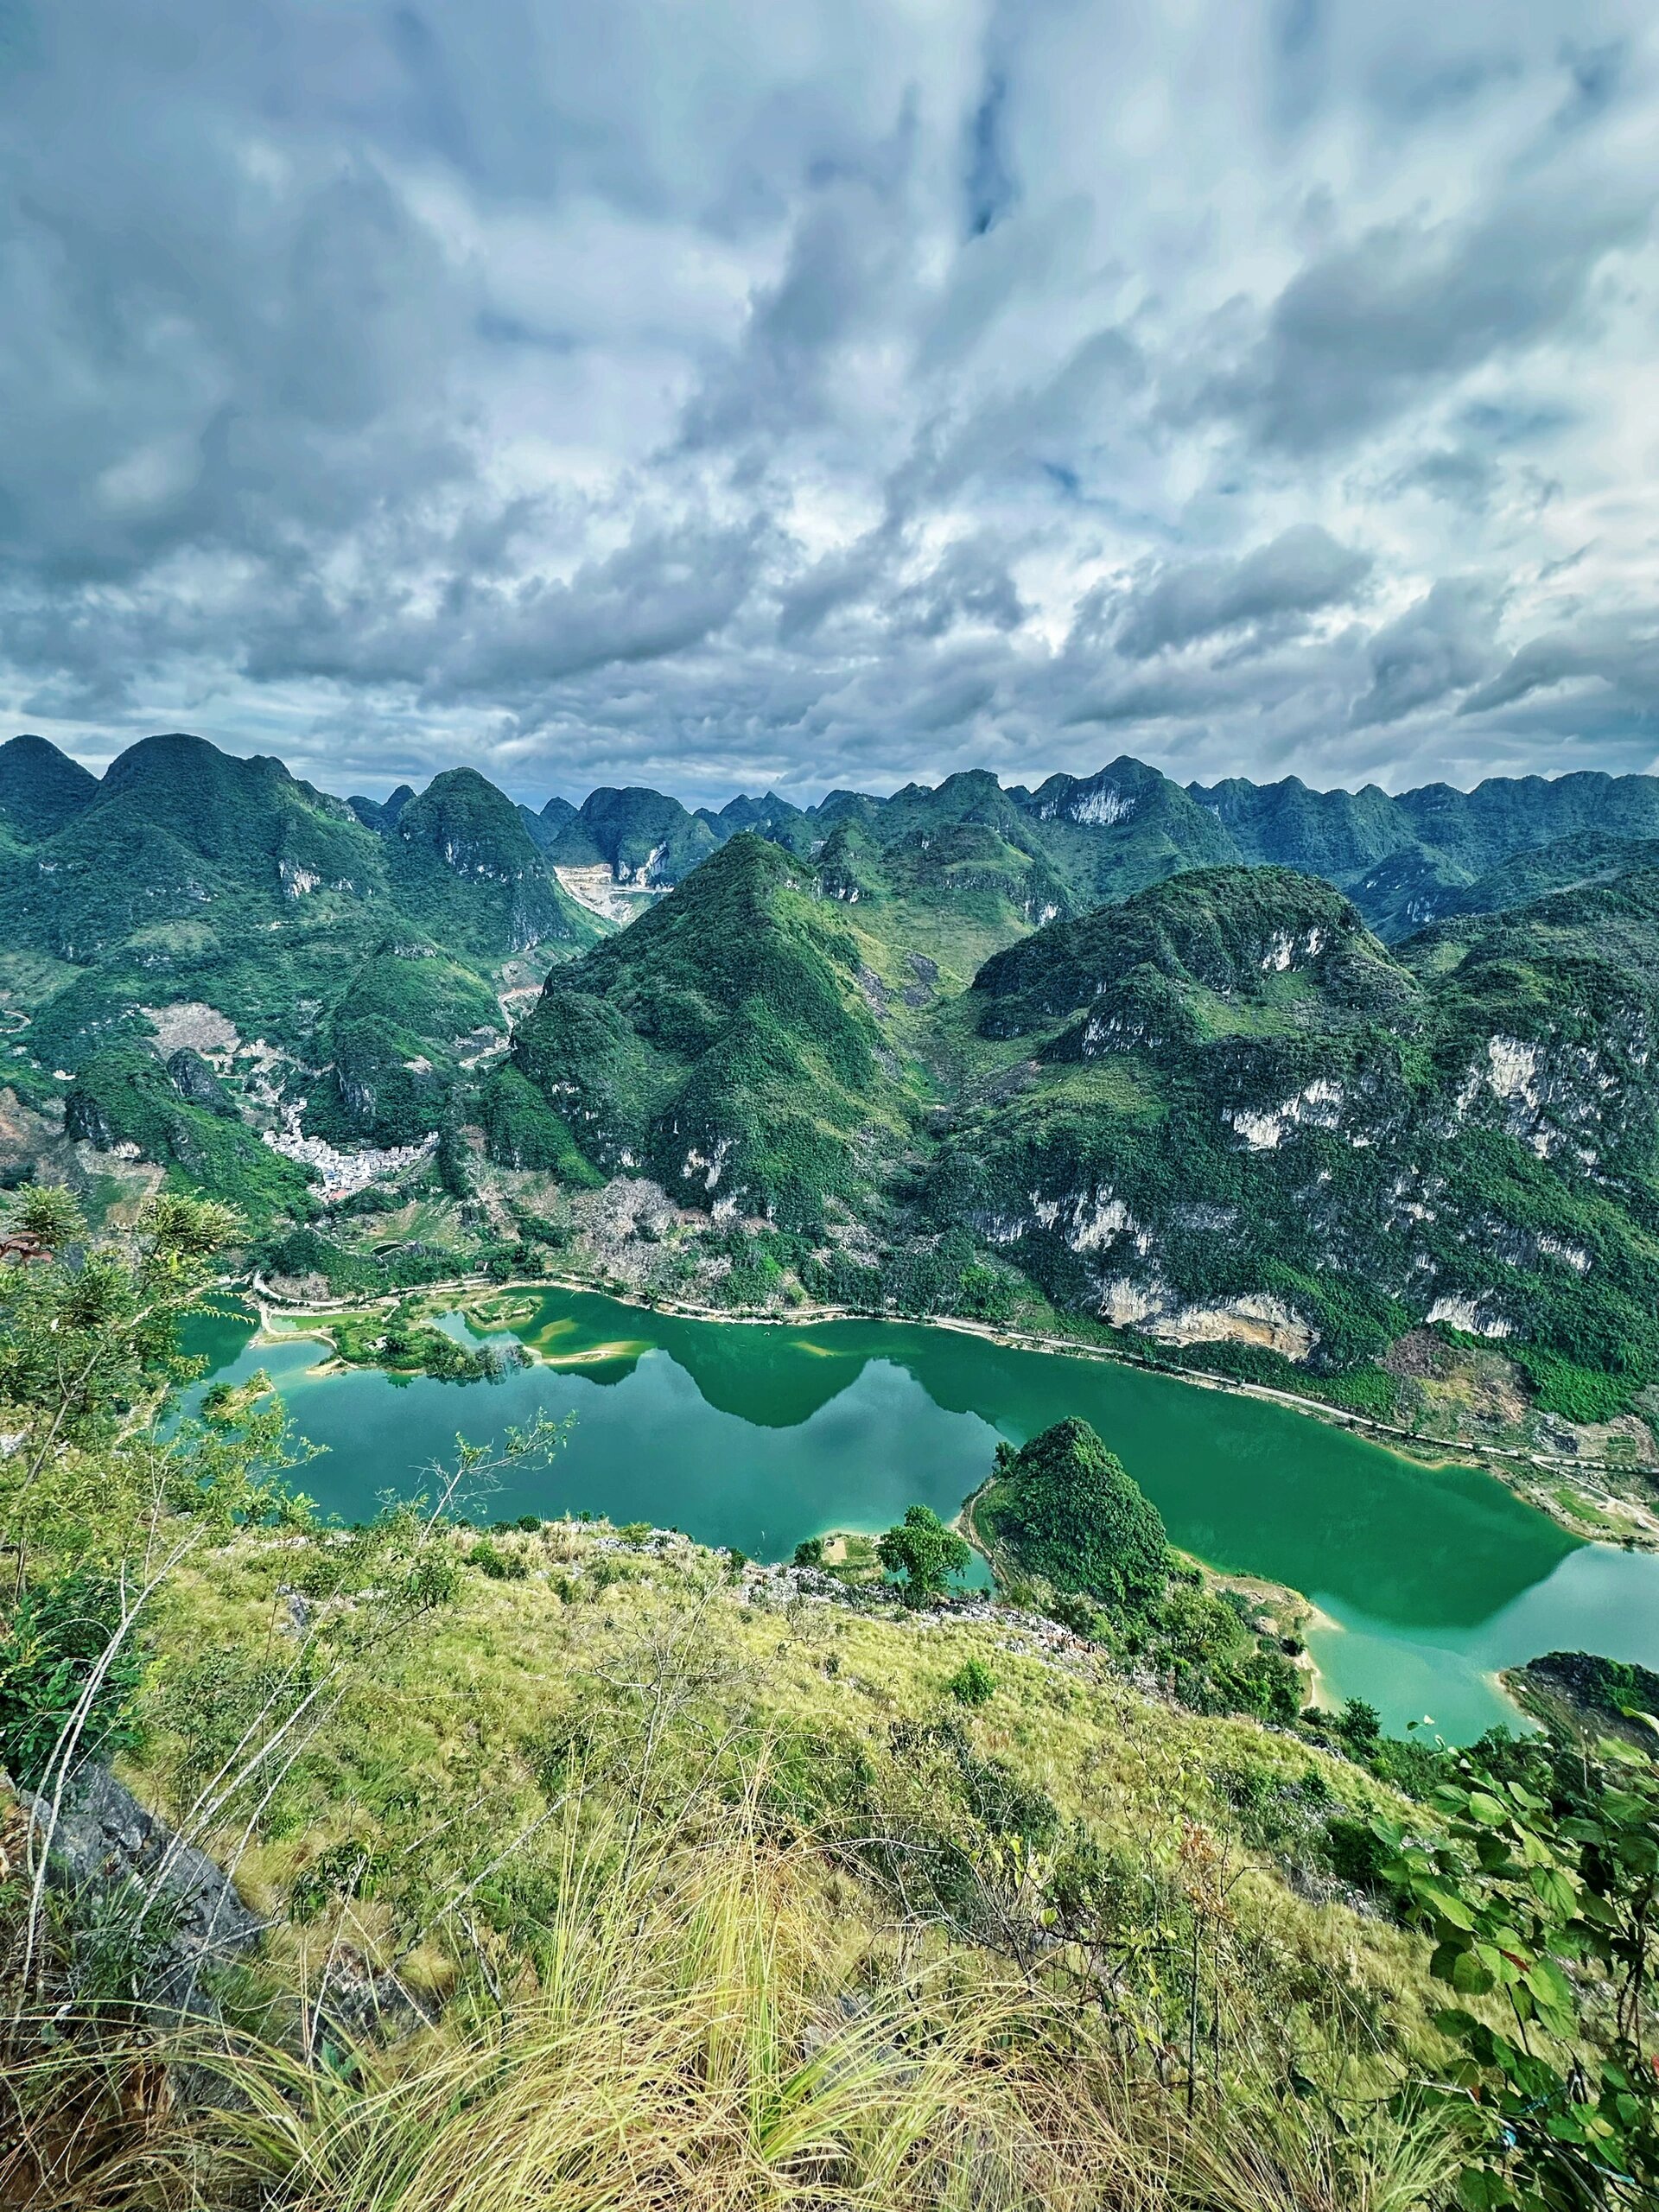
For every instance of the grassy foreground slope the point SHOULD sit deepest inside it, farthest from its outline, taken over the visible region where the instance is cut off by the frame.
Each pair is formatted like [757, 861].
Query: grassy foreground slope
[717, 1897]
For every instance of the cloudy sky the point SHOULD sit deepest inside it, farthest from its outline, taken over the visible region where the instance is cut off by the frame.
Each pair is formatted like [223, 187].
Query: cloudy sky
[725, 393]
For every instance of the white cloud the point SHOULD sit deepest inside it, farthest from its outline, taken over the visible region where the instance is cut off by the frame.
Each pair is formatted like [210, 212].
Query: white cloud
[790, 392]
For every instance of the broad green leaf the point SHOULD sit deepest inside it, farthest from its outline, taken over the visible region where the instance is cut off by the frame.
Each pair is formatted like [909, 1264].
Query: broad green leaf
[1446, 1905]
[1554, 1892]
[1549, 1984]
[1463, 1969]
[1482, 2190]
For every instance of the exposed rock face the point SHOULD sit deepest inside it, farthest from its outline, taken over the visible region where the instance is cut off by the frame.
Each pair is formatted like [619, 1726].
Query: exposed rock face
[84, 1121]
[105, 1839]
[365, 2005]
[104, 1836]
[192, 1022]
[197, 1085]
[598, 889]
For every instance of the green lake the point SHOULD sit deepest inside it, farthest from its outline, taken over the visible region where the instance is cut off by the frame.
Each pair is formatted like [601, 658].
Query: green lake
[756, 1436]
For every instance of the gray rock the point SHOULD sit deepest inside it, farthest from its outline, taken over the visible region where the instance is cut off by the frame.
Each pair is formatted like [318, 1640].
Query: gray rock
[197, 1085]
[105, 1837]
[85, 1122]
[361, 2004]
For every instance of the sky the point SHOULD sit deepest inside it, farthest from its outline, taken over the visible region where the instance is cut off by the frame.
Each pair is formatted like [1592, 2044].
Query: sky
[727, 394]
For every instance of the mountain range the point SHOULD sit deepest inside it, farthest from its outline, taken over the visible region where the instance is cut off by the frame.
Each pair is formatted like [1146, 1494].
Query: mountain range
[1271, 1079]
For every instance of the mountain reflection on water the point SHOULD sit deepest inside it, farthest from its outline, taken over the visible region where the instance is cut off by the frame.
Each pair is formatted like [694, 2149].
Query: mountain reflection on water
[759, 1435]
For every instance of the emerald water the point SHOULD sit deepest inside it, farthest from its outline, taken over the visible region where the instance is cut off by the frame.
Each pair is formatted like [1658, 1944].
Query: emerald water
[757, 1435]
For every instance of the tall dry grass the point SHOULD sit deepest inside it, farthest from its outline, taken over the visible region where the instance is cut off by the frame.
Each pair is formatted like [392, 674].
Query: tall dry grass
[708, 2030]
[701, 2021]
[701, 2036]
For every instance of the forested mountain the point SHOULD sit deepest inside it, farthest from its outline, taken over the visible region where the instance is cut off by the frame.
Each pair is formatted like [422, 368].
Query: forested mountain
[1183, 1061]
[1238, 1115]
[1221, 1112]
[1438, 840]
[41, 789]
[198, 948]
[644, 838]
[720, 1044]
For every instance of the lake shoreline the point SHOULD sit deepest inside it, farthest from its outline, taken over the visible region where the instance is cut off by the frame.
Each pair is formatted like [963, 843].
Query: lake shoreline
[1414, 1567]
[1507, 1464]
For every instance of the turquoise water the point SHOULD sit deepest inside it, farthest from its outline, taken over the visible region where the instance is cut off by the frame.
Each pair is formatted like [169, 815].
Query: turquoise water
[758, 1436]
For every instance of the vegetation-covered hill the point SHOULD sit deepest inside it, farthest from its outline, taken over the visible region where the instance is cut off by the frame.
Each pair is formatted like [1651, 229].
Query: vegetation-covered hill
[41, 789]
[1240, 1117]
[646, 839]
[336, 977]
[1405, 858]
[1402, 856]
[966, 1046]
[1202, 954]
[722, 1044]
[1221, 1115]
[463, 866]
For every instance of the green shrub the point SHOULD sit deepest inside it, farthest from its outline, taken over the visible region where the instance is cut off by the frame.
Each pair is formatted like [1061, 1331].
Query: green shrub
[499, 1565]
[339, 1872]
[972, 1683]
[57, 1632]
[1077, 1611]
[924, 1551]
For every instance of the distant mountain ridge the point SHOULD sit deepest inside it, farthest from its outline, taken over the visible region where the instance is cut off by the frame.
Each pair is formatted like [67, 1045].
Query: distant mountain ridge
[1405, 858]
[1255, 1072]
[339, 974]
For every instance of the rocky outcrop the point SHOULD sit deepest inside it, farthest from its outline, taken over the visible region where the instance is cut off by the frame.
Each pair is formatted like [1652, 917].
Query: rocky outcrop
[105, 1844]
[196, 1083]
[105, 1839]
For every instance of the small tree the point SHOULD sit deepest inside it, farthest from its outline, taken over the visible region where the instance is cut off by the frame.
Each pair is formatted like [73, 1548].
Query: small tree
[1070, 1512]
[924, 1551]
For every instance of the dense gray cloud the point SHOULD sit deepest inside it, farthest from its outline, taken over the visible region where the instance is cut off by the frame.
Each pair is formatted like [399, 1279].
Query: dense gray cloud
[1619, 654]
[1442, 645]
[816, 392]
[1302, 570]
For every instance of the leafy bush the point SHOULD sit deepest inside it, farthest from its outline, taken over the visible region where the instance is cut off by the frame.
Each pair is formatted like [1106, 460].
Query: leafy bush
[1520, 1902]
[339, 1872]
[1077, 1611]
[924, 1551]
[499, 1565]
[58, 1631]
[1219, 1663]
[972, 1683]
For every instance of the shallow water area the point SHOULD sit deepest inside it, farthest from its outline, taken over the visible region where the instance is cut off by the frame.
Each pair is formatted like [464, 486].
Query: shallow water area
[757, 1435]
